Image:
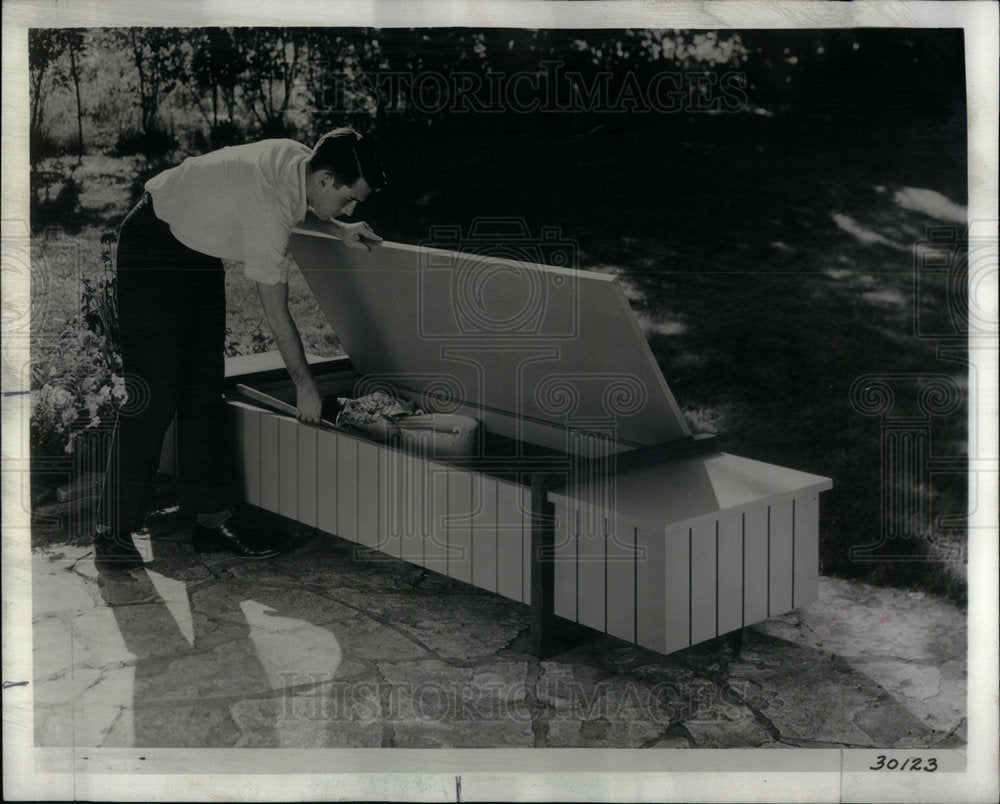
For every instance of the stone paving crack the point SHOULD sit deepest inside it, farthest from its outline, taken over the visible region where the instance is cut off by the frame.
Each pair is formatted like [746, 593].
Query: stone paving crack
[384, 621]
[121, 713]
[538, 708]
[385, 691]
[721, 679]
[951, 733]
[862, 659]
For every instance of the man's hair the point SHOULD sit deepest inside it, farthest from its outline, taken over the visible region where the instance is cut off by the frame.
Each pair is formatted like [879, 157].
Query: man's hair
[348, 156]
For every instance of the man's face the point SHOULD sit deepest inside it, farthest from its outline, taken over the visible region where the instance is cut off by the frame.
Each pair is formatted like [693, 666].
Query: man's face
[330, 199]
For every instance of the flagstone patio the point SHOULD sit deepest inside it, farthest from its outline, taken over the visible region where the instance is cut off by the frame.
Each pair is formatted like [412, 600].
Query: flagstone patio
[331, 645]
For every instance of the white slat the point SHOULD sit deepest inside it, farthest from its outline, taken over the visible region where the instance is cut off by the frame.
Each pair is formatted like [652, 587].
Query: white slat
[390, 493]
[436, 543]
[755, 566]
[526, 563]
[326, 481]
[780, 594]
[730, 574]
[651, 579]
[703, 582]
[806, 550]
[347, 487]
[484, 532]
[288, 458]
[412, 508]
[621, 578]
[677, 591]
[510, 532]
[592, 566]
[368, 494]
[564, 593]
[270, 465]
[251, 455]
[460, 557]
[307, 472]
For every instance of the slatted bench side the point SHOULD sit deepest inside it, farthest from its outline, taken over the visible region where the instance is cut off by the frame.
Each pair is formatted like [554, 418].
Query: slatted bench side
[675, 587]
[458, 522]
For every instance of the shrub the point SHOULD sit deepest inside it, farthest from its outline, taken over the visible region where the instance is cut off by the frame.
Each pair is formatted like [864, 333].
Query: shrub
[155, 144]
[73, 389]
[247, 339]
[42, 145]
[76, 378]
[63, 210]
[100, 303]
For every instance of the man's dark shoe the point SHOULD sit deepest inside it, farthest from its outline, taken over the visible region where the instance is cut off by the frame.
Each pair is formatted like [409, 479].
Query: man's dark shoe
[229, 537]
[116, 552]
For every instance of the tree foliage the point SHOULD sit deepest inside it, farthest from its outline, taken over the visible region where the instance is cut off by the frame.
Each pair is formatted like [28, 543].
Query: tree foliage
[160, 56]
[225, 85]
[45, 47]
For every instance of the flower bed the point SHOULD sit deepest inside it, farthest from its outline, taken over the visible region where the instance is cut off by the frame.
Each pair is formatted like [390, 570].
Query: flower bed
[77, 382]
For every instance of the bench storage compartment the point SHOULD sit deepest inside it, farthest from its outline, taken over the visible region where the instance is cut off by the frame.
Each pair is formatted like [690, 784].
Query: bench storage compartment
[466, 524]
[690, 550]
[588, 498]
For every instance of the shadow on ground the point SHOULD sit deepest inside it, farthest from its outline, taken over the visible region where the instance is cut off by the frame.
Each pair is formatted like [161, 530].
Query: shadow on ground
[335, 646]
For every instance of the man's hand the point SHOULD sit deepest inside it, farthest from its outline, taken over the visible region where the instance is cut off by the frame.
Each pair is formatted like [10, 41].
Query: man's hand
[309, 402]
[359, 235]
[274, 299]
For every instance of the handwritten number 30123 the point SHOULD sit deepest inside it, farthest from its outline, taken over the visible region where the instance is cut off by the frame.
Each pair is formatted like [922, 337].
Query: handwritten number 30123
[910, 763]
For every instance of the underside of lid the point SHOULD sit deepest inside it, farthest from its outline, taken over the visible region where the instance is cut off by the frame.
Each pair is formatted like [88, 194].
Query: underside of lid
[536, 350]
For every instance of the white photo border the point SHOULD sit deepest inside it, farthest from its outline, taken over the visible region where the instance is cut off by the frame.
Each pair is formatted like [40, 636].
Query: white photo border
[513, 774]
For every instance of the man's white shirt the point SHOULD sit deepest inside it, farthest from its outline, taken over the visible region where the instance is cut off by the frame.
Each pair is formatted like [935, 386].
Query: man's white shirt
[238, 203]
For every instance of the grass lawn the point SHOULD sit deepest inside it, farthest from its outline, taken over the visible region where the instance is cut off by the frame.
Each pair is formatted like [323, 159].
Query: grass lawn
[61, 258]
[767, 280]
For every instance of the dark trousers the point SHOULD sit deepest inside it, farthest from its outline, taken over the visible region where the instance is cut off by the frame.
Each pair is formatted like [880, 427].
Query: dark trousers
[172, 319]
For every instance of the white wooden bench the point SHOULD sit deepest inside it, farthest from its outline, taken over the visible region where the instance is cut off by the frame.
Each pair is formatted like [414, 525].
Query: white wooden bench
[588, 499]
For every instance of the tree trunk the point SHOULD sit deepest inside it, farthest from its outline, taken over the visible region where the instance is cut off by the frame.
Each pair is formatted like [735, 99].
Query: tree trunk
[37, 100]
[79, 106]
[143, 102]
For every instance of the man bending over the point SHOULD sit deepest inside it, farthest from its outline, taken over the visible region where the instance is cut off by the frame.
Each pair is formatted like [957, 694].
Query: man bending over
[239, 203]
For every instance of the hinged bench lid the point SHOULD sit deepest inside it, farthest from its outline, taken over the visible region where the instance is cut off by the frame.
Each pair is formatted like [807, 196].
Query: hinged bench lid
[677, 494]
[533, 349]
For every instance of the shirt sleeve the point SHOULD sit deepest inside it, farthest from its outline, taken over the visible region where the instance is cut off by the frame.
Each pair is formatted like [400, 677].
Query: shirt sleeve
[264, 250]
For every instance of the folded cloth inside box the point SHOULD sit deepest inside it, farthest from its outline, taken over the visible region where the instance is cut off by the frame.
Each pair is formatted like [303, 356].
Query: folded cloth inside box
[372, 407]
[386, 418]
[373, 415]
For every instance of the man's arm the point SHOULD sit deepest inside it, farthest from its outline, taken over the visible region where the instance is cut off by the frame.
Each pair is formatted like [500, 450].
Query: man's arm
[355, 235]
[330, 225]
[274, 299]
